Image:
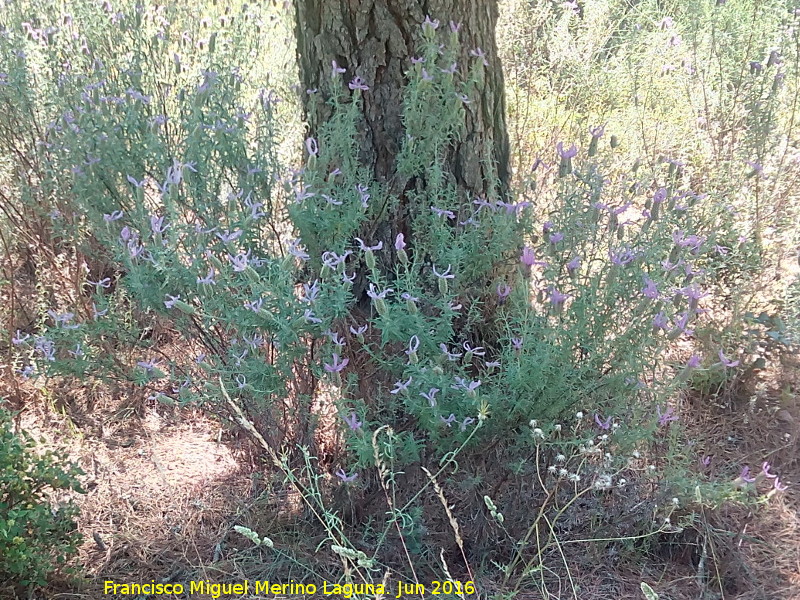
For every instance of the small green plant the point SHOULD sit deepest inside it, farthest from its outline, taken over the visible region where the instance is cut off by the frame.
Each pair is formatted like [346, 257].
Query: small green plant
[35, 535]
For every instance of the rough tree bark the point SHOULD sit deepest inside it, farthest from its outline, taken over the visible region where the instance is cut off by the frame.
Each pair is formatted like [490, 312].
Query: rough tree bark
[375, 39]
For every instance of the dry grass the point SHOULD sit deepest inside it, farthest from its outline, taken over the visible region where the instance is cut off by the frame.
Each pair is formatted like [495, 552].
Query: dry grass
[162, 491]
[165, 487]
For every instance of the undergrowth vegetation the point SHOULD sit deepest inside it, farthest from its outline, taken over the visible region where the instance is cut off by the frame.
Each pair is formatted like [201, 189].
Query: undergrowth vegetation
[503, 382]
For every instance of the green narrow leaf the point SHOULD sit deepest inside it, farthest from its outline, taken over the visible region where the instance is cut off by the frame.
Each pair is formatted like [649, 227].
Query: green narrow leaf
[648, 592]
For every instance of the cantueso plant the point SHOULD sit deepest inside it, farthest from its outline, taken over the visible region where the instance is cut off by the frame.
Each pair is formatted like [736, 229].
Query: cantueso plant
[523, 342]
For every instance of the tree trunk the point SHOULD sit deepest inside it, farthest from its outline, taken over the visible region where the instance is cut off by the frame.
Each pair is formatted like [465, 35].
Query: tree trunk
[375, 40]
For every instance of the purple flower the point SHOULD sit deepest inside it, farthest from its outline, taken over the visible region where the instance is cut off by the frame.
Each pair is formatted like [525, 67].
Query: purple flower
[255, 306]
[401, 386]
[19, 338]
[556, 237]
[208, 279]
[135, 183]
[104, 283]
[727, 362]
[46, 347]
[114, 216]
[527, 258]
[172, 300]
[365, 248]
[566, 154]
[134, 248]
[660, 321]
[98, 313]
[240, 261]
[516, 343]
[620, 209]
[417, 60]
[693, 242]
[413, 345]
[451, 69]
[255, 212]
[254, 342]
[467, 386]
[431, 396]
[503, 292]
[443, 213]
[338, 364]
[301, 194]
[148, 365]
[682, 322]
[623, 257]
[345, 477]
[227, 237]
[778, 486]
[310, 292]
[693, 292]
[451, 356]
[312, 147]
[478, 53]
[363, 193]
[705, 461]
[331, 200]
[358, 331]
[574, 265]
[477, 351]
[694, 362]
[157, 224]
[336, 70]
[358, 84]
[666, 417]
[399, 242]
[373, 293]
[557, 299]
[333, 260]
[445, 275]
[605, 425]
[433, 24]
[597, 132]
[466, 423]
[352, 421]
[650, 290]
[449, 420]
[309, 316]
[745, 475]
[765, 467]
